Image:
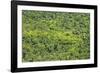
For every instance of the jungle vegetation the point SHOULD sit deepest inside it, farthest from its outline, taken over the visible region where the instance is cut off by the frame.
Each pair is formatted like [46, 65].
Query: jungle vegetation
[51, 36]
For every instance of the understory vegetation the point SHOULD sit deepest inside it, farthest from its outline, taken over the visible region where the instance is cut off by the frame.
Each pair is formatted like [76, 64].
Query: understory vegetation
[50, 36]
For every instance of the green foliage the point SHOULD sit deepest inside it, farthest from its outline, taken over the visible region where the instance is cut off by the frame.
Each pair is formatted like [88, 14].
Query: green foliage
[55, 36]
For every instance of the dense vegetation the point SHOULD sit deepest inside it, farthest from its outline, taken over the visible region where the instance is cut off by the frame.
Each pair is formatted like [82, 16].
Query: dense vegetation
[55, 36]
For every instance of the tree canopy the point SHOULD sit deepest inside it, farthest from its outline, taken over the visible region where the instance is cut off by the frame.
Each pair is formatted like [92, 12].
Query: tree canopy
[49, 36]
